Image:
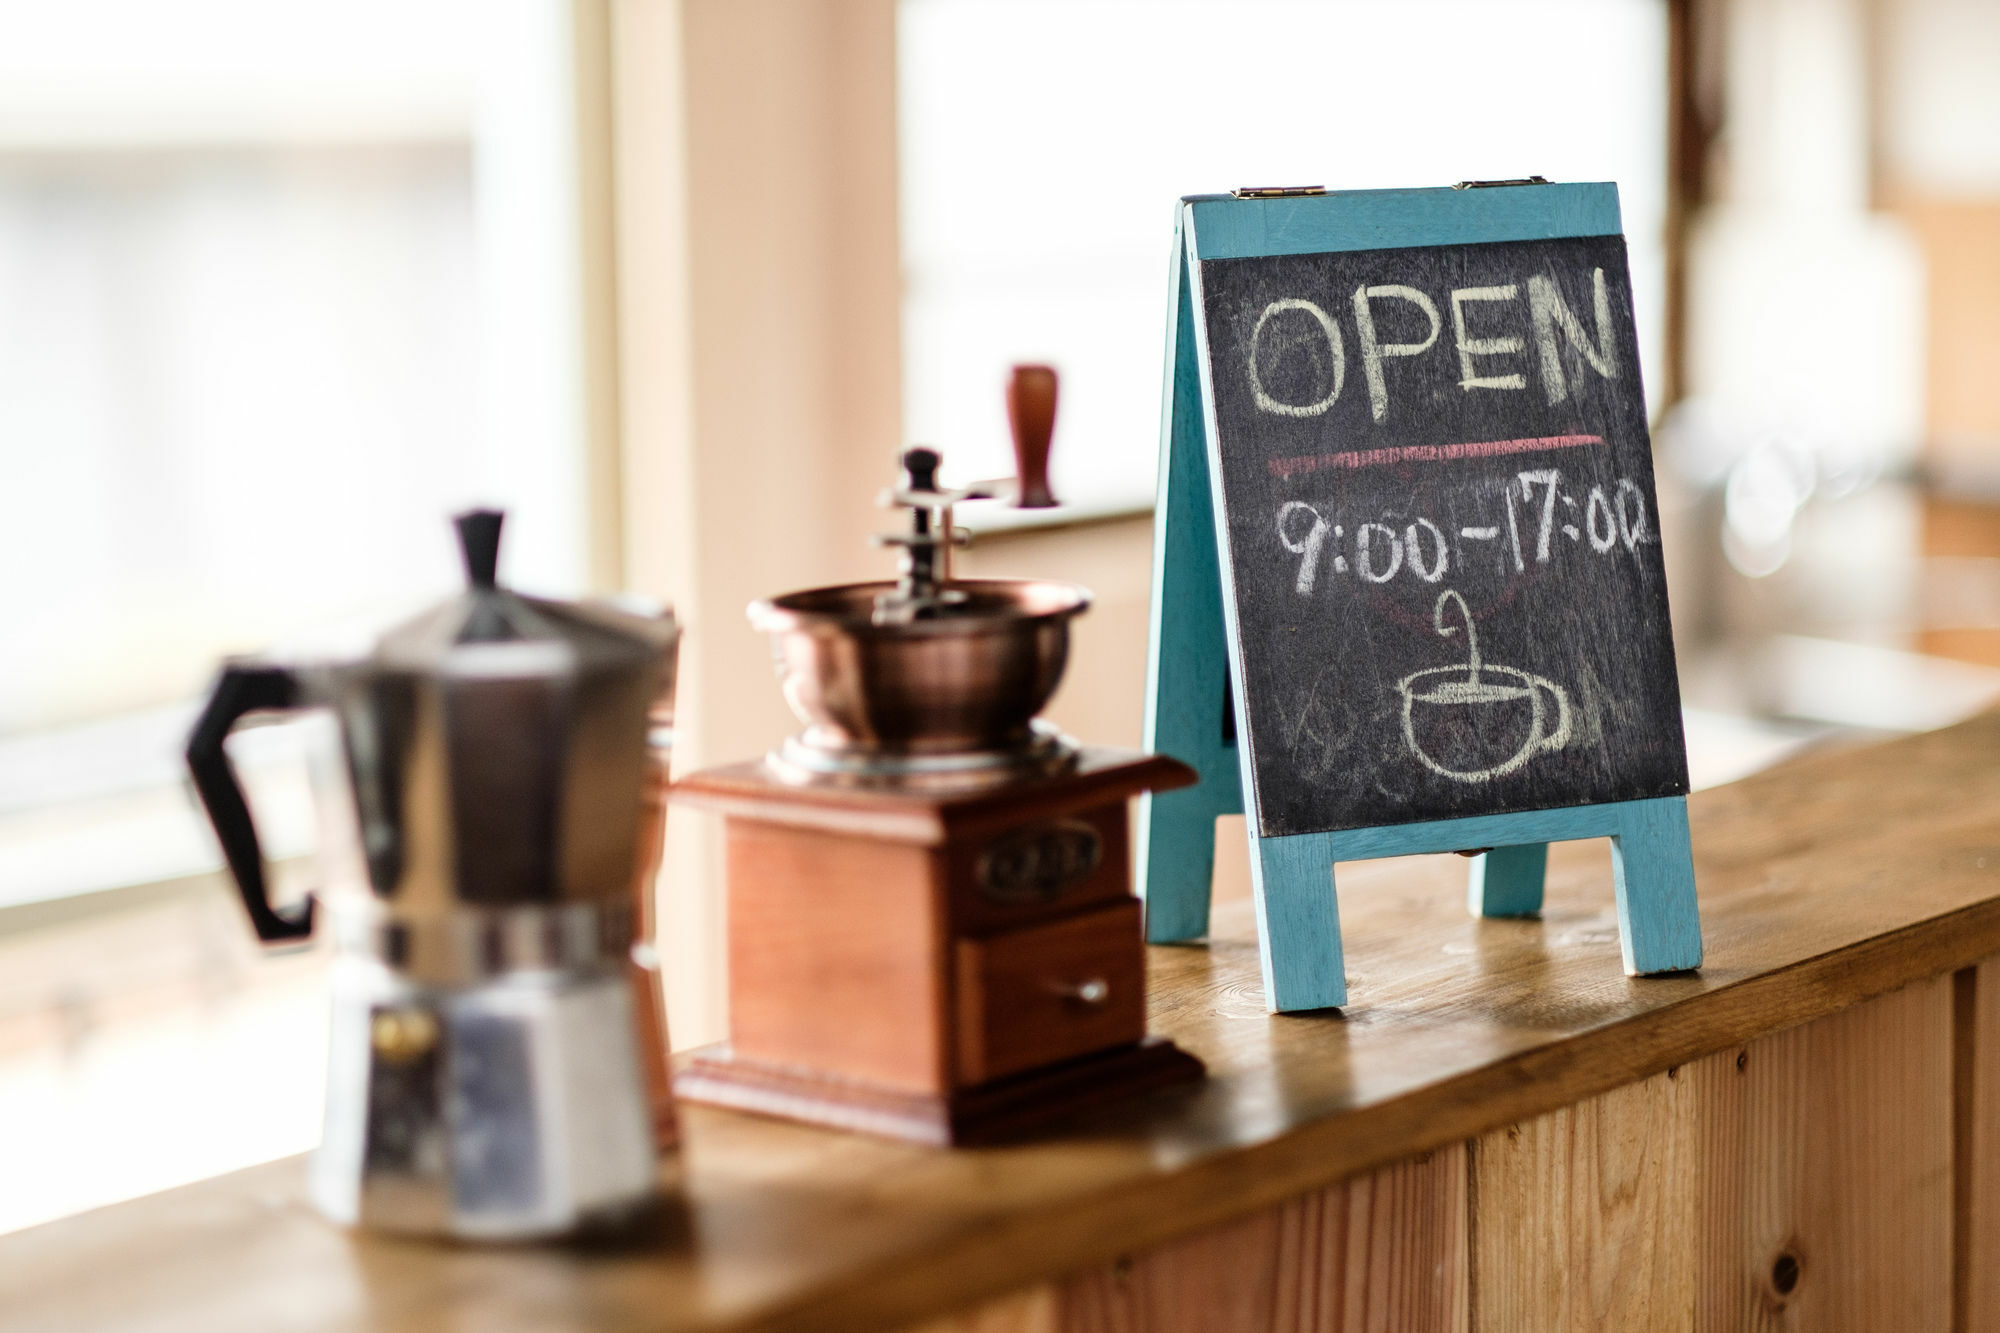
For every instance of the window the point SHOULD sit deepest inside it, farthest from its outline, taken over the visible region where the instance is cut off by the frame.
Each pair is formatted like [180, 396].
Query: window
[1044, 142]
[280, 288]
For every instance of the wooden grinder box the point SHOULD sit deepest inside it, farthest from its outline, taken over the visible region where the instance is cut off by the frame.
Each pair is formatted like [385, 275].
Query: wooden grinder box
[943, 966]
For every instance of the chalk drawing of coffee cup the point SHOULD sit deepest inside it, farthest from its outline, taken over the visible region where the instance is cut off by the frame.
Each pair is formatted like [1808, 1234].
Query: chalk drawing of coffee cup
[1478, 721]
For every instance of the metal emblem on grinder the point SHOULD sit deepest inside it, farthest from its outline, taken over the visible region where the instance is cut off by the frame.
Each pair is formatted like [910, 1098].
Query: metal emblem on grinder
[1037, 864]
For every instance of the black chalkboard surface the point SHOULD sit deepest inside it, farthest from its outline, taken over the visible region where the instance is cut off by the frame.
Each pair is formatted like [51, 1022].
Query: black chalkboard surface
[1443, 541]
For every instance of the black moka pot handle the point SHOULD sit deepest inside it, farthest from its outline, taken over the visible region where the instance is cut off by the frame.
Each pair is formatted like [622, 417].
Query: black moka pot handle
[243, 687]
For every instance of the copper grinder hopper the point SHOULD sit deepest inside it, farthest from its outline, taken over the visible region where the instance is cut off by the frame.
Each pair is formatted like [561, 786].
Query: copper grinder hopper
[931, 679]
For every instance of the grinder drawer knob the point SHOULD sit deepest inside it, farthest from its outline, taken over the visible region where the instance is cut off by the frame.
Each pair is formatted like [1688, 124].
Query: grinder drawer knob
[1092, 993]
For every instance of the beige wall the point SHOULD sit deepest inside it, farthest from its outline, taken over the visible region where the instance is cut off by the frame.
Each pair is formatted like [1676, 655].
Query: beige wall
[1103, 694]
[1102, 698]
[759, 358]
[758, 389]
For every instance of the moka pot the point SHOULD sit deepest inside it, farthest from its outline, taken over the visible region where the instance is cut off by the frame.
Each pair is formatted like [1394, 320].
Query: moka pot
[485, 1073]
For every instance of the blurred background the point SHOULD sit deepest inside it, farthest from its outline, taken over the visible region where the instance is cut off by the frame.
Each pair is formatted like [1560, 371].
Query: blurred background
[282, 285]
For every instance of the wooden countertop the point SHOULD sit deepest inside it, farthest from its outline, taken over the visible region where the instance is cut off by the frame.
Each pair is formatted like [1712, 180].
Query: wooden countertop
[1836, 877]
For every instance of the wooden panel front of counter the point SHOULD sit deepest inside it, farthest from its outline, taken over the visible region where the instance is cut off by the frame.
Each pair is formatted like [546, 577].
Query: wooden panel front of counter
[1502, 1131]
[1802, 1181]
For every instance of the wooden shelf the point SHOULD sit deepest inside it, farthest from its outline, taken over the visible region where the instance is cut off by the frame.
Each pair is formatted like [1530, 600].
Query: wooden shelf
[1840, 876]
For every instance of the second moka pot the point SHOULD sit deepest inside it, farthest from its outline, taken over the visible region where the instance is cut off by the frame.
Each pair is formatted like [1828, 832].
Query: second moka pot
[485, 1076]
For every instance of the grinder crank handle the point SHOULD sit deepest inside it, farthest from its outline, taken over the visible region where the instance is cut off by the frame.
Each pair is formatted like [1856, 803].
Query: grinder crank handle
[1031, 412]
[243, 687]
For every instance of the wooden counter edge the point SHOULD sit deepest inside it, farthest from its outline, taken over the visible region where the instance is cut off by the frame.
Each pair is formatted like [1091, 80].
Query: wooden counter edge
[956, 1265]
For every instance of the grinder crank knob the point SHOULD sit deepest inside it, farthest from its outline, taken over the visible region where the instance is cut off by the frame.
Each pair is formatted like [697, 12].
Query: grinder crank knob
[1031, 412]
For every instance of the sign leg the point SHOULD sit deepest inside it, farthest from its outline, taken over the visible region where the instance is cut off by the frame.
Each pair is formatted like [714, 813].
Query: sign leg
[1652, 869]
[1176, 837]
[1507, 881]
[1188, 709]
[1298, 922]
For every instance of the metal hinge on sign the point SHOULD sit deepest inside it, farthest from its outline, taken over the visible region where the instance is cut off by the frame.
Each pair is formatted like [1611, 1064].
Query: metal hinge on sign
[1494, 185]
[1277, 191]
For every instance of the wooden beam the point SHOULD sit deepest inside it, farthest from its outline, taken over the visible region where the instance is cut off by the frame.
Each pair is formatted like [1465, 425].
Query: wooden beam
[1585, 1218]
[1976, 1147]
[758, 368]
[1384, 1250]
[1825, 1169]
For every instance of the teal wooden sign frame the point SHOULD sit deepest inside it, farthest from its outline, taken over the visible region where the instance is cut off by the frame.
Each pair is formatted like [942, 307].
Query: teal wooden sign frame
[1191, 688]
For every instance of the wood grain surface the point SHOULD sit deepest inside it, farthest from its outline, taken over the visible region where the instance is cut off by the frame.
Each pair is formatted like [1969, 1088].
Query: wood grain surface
[1584, 1218]
[1020, 998]
[1036, 1310]
[1840, 877]
[754, 790]
[1800, 1181]
[1976, 1147]
[836, 955]
[1383, 1250]
[1825, 1170]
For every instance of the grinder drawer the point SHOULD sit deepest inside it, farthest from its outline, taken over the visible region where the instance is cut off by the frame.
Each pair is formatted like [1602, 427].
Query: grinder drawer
[1031, 997]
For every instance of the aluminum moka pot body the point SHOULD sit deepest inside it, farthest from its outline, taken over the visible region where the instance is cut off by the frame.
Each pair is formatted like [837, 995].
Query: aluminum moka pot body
[482, 836]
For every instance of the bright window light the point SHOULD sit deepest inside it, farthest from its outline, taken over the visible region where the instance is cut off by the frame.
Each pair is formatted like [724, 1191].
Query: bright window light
[1044, 143]
[279, 289]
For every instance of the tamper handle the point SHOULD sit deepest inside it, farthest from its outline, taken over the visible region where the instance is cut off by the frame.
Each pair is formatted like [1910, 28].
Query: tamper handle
[1031, 411]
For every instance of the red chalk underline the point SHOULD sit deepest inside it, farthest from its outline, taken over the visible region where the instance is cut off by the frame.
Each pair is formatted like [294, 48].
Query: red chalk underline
[1429, 453]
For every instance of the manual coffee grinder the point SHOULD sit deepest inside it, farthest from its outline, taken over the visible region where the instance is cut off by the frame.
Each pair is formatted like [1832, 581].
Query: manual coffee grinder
[488, 838]
[932, 933]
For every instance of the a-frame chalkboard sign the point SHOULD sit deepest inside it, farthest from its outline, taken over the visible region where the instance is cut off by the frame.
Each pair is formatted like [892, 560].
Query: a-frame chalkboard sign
[1408, 592]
